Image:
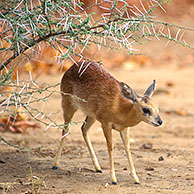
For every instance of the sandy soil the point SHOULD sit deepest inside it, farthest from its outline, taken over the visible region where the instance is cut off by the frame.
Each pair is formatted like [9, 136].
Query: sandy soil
[30, 172]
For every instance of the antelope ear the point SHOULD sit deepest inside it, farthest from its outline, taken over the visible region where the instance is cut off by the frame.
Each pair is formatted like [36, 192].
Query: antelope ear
[149, 92]
[128, 92]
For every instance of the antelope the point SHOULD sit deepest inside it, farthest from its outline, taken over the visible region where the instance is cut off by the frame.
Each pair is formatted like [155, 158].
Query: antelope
[114, 104]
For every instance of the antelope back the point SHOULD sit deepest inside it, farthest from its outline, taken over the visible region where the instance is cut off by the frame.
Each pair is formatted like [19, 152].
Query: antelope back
[99, 90]
[107, 99]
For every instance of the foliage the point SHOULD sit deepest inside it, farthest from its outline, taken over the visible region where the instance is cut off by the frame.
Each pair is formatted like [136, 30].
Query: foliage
[70, 27]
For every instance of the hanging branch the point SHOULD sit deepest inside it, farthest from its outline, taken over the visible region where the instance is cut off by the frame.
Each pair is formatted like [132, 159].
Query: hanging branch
[27, 24]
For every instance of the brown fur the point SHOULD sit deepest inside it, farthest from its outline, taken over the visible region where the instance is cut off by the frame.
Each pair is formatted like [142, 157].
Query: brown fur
[102, 93]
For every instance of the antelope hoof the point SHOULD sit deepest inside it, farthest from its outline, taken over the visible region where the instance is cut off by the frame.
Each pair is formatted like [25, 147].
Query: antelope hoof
[114, 183]
[99, 171]
[54, 167]
[137, 183]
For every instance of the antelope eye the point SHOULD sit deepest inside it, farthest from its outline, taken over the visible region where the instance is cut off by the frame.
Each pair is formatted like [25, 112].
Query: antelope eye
[146, 111]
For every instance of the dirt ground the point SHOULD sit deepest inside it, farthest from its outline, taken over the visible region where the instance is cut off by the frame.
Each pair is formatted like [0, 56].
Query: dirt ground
[167, 166]
[163, 156]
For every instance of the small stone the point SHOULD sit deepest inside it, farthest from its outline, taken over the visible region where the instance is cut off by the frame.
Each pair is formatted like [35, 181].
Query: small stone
[149, 169]
[54, 168]
[20, 181]
[169, 154]
[147, 146]
[161, 158]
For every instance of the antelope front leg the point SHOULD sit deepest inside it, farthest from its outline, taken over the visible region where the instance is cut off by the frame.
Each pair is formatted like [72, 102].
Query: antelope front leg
[108, 135]
[126, 141]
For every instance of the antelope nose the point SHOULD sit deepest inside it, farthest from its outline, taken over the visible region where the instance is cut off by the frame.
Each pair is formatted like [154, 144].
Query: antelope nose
[160, 122]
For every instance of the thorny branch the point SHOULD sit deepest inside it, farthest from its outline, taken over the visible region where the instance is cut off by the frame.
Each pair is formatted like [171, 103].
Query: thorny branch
[16, 146]
[75, 26]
